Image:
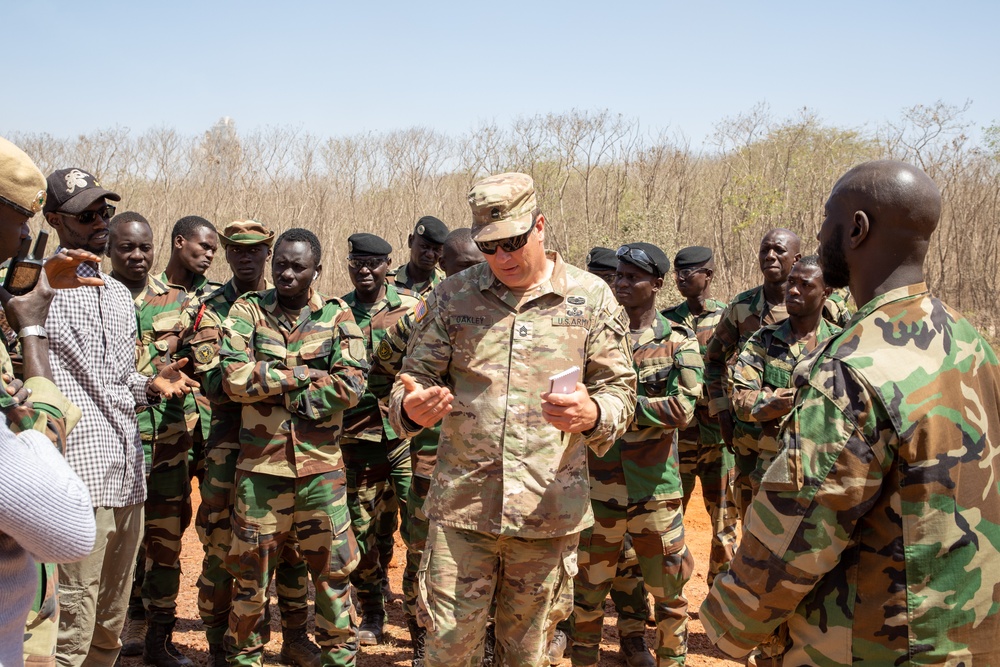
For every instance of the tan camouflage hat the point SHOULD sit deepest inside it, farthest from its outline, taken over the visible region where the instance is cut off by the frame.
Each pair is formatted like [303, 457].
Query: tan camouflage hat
[502, 206]
[246, 232]
[22, 185]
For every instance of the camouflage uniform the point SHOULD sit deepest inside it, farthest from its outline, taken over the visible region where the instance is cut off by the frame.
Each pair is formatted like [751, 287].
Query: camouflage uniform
[165, 430]
[376, 459]
[401, 279]
[635, 489]
[873, 538]
[702, 453]
[290, 479]
[765, 365]
[509, 494]
[213, 521]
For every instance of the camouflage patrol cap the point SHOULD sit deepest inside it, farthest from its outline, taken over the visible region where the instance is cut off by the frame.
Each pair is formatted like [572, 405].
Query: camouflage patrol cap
[22, 185]
[246, 232]
[431, 229]
[502, 206]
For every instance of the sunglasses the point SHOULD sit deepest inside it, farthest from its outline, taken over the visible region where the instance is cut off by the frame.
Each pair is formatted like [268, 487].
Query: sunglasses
[509, 244]
[370, 263]
[684, 274]
[638, 257]
[90, 217]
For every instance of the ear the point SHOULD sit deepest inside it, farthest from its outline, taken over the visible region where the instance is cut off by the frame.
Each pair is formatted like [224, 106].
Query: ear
[54, 220]
[178, 241]
[798, 256]
[409, 241]
[860, 228]
[657, 284]
[388, 262]
[827, 291]
[540, 227]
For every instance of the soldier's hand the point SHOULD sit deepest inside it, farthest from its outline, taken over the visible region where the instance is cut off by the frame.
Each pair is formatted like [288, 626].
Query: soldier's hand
[170, 382]
[571, 413]
[425, 406]
[28, 309]
[61, 269]
[726, 426]
[784, 400]
[21, 395]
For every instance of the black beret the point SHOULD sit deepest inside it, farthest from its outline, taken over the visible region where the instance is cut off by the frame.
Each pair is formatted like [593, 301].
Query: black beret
[367, 244]
[601, 259]
[695, 255]
[431, 229]
[660, 262]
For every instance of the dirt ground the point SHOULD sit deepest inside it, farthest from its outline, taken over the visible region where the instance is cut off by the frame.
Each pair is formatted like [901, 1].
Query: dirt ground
[395, 652]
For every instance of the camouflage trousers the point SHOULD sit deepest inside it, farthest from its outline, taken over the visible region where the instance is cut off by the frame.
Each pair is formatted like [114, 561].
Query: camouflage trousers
[746, 452]
[215, 584]
[376, 494]
[712, 464]
[657, 529]
[414, 534]
[269, 511]
[461, 573]
[42, 628]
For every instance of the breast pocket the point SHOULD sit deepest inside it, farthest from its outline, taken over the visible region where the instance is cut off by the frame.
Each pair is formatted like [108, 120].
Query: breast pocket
[654, 374]
[269, 344]
[316, 352]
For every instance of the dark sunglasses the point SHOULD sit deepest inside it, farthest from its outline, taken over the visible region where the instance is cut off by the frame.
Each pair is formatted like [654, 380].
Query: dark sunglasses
[90, 217]
[509, 244]
[638, 257]
[370, 263]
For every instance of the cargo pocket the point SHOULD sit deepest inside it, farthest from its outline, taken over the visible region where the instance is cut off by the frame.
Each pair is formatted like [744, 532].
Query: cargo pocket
[344, 554]
[245, 561]
[785, 471]
[561, 604]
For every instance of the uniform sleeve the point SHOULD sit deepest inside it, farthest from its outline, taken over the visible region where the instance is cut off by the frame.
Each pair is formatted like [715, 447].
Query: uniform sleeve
[204, 345]
[428, 355]
[245, 378]
[828, 473]
[753, 401]
[391, 350]
[610, 378]
[137, 383]
[345, 374]
[720, 347]
[683, 388]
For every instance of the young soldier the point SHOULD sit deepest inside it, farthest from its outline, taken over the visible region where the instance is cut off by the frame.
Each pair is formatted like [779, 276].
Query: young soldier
[377, 460]
[700, 448]
[603, 264]
[635, 487]
[421, 273]
[872, 538]
[297, 361]
[247, 247]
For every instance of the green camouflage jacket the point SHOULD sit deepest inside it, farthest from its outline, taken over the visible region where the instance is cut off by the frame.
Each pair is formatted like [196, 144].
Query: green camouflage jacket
[766, 364]
[875, 537]
[642, 465]
[292, 424]
[402, 280]
[502, 468]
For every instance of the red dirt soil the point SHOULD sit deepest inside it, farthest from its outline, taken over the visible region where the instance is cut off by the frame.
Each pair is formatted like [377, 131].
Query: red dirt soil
[395, 651]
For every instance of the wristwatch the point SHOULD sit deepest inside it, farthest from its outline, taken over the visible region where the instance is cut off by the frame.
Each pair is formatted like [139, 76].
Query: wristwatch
[33, 330]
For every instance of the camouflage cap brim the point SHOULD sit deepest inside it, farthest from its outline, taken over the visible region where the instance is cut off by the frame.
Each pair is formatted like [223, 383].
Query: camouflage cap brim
[506, 229]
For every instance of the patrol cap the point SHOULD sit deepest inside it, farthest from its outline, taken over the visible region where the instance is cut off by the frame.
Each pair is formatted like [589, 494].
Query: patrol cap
[431, 229]
[246, 232]
[367, 244]
[646, 256]
[601, 259]
[22, 185]
[501, 206]
[72, 190]
[694, 255]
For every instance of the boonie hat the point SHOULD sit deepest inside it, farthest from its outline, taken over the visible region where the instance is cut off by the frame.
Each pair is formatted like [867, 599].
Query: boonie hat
[246, 232]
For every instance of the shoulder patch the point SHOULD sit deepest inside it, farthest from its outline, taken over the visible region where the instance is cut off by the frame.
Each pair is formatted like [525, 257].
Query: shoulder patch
[420, 310]
[577, 300]
[204, 353]
[384, 351]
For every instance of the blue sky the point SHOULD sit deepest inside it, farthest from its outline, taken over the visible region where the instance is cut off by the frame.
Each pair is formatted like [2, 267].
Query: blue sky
[334, 69]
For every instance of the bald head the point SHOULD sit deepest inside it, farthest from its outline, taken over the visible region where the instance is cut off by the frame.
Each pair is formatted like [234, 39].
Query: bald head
[459, 252]
[779, 250]
[879, 220]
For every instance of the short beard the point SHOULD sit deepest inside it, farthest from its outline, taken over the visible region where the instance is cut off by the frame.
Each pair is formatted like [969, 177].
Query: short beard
[836, 273]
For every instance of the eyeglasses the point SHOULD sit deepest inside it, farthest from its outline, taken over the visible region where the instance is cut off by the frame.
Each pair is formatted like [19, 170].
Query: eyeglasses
[90, 217]
[684, 274]
[509, 244]
[370, 263]
[638, 257]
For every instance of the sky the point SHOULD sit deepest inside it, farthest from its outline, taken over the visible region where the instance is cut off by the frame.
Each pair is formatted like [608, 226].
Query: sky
[337, 68]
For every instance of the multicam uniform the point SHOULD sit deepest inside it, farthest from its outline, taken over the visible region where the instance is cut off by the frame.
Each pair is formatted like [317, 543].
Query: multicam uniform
[213, 521]
[290, 479]
[376, 459]
[703, 454]
[508, 487]
[765, 364]
[873, 538]
[403, 280]
[635, 488]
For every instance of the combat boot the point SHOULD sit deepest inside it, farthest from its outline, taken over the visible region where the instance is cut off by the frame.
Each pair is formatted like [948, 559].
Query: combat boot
[636, 652]
[417, 634]
[160, 650]
[490, 646]
[370, 630]
[217, 656]
[298, 649]
[557, 647]
[134, 637]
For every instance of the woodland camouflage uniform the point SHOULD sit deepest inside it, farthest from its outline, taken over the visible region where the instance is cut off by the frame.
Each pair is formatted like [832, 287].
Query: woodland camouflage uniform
[290, 474]
[874, 535]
